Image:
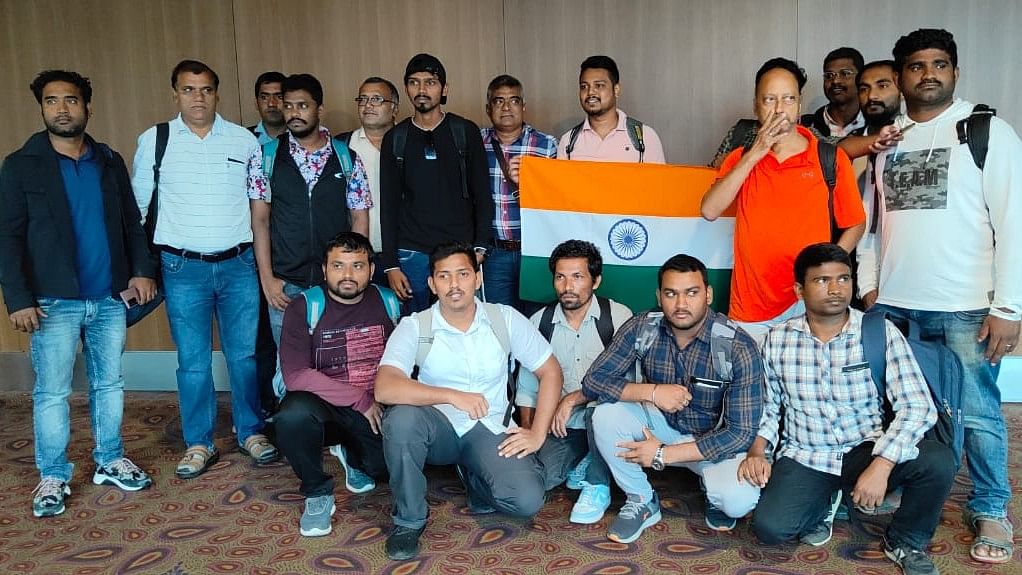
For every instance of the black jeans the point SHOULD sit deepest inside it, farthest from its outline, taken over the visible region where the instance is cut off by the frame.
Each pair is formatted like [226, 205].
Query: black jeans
[306, 423]
[797, 498]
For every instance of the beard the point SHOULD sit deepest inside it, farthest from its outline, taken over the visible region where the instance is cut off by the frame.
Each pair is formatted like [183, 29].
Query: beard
[346, 291]
[70, 130]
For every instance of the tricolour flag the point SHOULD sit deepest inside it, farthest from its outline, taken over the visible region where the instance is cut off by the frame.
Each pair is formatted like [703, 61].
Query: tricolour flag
[639, 215]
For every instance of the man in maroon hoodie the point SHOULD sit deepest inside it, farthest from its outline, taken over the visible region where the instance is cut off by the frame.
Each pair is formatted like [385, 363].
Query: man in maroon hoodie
[329, 359]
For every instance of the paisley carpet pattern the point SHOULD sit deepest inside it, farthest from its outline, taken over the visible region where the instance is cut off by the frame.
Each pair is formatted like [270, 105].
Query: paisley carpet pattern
[239, 518]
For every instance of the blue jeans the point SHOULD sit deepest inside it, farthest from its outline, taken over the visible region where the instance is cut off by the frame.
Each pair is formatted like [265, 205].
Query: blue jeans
[99, 324]
[276, 324]
[500, 276]
[415, 266]
[195, 291]
[986, 437]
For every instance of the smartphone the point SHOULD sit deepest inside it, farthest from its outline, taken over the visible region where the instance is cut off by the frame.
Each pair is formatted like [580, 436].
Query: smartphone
[130, 297]
[907, 128]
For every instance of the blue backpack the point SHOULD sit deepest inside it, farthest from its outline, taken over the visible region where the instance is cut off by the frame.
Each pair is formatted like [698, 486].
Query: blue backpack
[940, 366]
[315, 303]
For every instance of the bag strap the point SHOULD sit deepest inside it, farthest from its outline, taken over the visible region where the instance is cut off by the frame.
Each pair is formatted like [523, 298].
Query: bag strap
[722, 343]
[424, 319]
[390, 303]
[162, 138]
[460, 143]
[572, 138]
[344, 157]
[546, 322]
[398, 144]
[634, 128]
[874, 348]
[827, 153]
[315, 302]
[498, 151]
[605, 325]
[269, 157]
[975, 131]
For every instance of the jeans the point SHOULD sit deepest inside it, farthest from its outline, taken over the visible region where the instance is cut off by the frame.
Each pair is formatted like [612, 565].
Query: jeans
[559, 455]
[415, 266]
[99, 325]
[796, 498]
[196, 291]
[276, 324]
[500, 276]
[414, 436]
[614, 423]
[986, 437]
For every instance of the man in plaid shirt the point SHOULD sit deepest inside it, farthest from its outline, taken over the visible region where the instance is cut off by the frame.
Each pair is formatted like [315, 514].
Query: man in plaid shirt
[833, 435]
[684, 413]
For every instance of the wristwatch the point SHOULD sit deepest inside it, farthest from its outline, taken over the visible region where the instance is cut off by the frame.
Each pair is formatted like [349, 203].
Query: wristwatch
[658, 459]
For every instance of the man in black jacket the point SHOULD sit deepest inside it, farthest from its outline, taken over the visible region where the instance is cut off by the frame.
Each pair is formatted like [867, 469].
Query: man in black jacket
[72, 256]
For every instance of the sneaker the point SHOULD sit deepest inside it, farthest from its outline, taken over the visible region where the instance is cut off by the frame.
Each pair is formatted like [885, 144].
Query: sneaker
[634, 517]
[718, 520]
[577, 475]
[122, 473]
[476, 505]
[48, 497]
[824, 530]
[591, 505]
[911, 561]
[316, 517]
[259, 448]
[403, 543]
[355, 480]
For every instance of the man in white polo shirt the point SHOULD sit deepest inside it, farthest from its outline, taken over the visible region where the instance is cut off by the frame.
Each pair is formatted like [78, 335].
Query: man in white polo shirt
[204, 232]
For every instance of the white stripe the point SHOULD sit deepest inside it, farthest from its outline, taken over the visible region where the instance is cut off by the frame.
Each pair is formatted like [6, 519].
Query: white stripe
[655, 239]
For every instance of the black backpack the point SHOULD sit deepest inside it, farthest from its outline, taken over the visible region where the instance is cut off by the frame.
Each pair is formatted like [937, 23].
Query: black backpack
[632, 126]
[975, 132]
[604, 325]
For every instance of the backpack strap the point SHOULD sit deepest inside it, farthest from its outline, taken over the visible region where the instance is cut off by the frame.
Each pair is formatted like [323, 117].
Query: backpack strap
[647, 333]
[572, 138]
[424, 319]
[605, 325]
[874, 348]
[344, 157]
[461, 144]
[499, 326]
[315, 303]
[546, 322]
[162, 138]
[827, 153]
[345, 137]
[634, 129]
[269, 157]
[975, 131]
[390, 303]
[398, 145]
[722, 344]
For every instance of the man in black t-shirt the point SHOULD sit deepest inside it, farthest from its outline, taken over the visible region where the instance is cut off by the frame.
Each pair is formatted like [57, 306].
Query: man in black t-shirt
[433, 182]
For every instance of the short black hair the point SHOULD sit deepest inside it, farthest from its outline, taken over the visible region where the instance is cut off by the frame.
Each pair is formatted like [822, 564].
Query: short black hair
[448, 249]
[817, 255]
[193, 67]
[349, 242]
[601, 63]
[682, 263]
[923, 39]
[503, 81]
[388, 83]
[306, 82]
[783, 64]
[845, 52]
[578, 249]
[46, 76]
[271, 77]
[875, 64]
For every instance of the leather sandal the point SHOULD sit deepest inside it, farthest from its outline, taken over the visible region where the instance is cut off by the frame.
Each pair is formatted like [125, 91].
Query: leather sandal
[1007, 544]
[259, 448]
[197, 459]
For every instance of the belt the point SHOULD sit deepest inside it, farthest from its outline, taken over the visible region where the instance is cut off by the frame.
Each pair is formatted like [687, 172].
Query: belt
[209, 258]
[508, 245]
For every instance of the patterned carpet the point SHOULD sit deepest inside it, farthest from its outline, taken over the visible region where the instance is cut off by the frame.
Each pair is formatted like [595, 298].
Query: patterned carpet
[239, 518]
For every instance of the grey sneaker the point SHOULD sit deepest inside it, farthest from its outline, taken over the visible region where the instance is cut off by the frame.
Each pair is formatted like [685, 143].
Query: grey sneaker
[634, 517]
[821, 534]
[316, 517]
[911, 561]
[124, 474]
[48, 497]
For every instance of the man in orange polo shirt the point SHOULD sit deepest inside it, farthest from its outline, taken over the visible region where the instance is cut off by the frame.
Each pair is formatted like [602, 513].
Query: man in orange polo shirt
[783, 202]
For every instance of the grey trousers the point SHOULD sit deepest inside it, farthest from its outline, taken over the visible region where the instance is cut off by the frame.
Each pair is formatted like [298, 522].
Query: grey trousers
[414, 436]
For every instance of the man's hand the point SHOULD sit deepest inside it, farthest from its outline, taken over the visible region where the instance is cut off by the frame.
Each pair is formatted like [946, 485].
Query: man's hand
[399, 283]
[641, 452]
[869, 299]
[145, 287]
[375, 417]
[27, 320]
[887, 138]
[273, 289]
[559, 426]
[513, 168]
[521, 442]
[871, 487]
[1001, 335]
[754, 470]
[474, 404]
[776, 128]
[671, 397]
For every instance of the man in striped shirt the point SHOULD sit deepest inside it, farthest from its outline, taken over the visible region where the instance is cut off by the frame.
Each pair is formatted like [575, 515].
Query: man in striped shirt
[833, 429]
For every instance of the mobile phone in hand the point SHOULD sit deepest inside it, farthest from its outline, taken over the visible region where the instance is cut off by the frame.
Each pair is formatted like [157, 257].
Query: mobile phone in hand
[130, 297]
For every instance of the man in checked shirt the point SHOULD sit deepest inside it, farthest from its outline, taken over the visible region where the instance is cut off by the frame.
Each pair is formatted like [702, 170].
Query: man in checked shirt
[834, 436]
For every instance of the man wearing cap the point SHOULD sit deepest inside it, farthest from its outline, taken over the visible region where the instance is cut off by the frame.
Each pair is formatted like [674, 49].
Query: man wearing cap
[433, 182]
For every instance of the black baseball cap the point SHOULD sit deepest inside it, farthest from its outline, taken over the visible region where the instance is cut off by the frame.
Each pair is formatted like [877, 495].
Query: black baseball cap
[426, 63]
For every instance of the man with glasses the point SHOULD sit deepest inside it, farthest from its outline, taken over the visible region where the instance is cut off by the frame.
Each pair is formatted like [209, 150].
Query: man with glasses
[506, 142]
[840, 116]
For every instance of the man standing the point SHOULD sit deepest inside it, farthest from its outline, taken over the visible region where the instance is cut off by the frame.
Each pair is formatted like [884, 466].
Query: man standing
[841, 116]
[204, 230]
[607, 134]
[457, 412]
[317, 188]
[71, 248]
[330, 348]
[688, 353]
[269, 96]
[578, 326]
[434, 184]
[879, 97]
[948, 254]
[506, 142]
[834, 434]
[780, 178]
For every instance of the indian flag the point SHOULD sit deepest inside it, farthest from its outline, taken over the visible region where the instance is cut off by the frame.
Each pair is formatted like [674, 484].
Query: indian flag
[639, 215]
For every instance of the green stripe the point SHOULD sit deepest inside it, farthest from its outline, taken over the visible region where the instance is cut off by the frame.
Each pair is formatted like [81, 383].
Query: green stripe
[633, 286]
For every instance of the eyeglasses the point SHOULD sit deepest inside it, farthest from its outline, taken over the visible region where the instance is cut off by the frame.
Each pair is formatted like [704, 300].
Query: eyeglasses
[376, 100]
[499, 101]
[845, 74]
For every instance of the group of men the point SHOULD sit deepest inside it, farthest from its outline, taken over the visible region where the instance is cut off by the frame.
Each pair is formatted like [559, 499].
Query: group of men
[425, 207]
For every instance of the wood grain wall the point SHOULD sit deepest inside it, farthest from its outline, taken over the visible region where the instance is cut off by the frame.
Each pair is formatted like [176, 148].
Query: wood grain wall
[687, 66]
